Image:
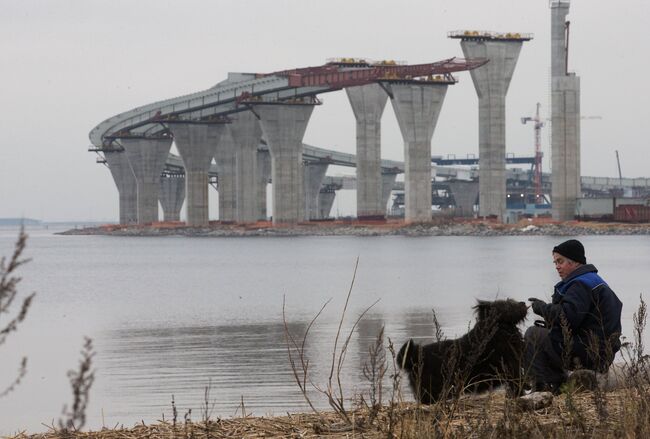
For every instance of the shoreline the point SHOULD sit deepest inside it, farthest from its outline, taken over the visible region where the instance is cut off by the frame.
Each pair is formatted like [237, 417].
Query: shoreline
[570, 415]
[448, 227]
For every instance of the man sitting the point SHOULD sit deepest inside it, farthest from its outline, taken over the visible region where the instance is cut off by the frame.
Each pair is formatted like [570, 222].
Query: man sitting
[582, 324]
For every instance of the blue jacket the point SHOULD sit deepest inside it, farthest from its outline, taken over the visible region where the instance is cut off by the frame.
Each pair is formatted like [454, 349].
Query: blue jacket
[593, 315]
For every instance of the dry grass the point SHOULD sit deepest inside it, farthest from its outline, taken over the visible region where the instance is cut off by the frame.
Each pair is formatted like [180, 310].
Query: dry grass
[484, 416]
[11, 316]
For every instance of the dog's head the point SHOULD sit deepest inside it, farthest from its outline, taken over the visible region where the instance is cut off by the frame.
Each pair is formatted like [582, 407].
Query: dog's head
[503, 311]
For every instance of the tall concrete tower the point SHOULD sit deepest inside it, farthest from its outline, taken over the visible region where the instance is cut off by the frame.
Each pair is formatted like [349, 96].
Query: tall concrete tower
[491, 82]
[565, 119]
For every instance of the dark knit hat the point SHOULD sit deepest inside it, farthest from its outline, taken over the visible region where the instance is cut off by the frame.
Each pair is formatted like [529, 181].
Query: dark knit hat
[572, 249]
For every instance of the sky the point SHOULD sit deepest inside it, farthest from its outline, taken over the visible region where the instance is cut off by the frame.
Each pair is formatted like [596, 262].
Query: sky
[67, 65]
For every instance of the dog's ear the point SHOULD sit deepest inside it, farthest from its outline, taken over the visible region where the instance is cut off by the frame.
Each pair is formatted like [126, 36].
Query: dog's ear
[482, 309]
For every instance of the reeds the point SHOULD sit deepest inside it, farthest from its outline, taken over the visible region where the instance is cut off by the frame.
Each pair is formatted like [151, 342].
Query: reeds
[489, 415]
[333, 389]
[8, 294]
[81, 380]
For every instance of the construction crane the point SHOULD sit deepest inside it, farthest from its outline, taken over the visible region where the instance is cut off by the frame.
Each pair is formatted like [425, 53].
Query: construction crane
[537, 165]
[620, 174]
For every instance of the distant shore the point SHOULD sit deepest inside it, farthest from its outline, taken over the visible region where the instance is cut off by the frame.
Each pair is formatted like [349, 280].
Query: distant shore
[447, 227]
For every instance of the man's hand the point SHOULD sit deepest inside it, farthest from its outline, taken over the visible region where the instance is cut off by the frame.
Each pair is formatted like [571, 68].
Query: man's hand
[537, 305]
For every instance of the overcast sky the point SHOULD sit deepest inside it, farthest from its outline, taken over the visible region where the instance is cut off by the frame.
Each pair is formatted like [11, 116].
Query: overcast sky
[67, 65]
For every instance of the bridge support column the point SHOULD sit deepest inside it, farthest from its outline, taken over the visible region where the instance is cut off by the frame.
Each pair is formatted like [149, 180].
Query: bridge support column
[565, 122]
[226, 159]
[314, 174]
[284, 127]
[122, 174]
[196, 144]
[246, 133]
[565, 147]
[491, 82]
[387, 184]
[417, 108]
[368, 102]
[172, 195]
[465, 193]
[147, 158]
[325, 203]
[263, 177]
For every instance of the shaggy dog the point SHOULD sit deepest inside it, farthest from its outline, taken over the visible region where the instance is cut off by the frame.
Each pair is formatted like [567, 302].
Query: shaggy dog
[488, 355]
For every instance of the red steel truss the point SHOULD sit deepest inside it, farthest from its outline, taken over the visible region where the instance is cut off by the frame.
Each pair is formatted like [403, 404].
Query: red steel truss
[337, 75]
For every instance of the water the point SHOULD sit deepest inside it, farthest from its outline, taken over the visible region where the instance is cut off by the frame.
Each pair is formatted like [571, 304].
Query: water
[175, 315]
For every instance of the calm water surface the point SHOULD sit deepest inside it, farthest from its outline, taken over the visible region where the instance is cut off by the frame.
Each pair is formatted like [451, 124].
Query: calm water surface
[170, 316]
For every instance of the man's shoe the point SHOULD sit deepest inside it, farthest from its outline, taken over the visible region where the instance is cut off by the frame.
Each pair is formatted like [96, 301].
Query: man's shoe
[554, 388]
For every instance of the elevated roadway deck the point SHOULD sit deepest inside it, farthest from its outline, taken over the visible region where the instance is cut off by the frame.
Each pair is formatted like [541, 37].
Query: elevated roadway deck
[232, 95]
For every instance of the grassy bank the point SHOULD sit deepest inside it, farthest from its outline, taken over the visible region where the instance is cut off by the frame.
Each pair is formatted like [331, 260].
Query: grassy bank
[618, 414]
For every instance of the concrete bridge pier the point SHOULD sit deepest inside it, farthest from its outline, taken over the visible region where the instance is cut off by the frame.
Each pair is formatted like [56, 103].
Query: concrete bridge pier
[172, 195]
[325, 203]
[147, 159]
[387, 184]
[226, 159]
[368, 103]
[284, 127]
[565, 147]
[263, 178]
[314, 174]
[565, 121]
[246, 133]
[491, 82]
[196, 143]
[122, 174]
[417, 108]
[465, 193]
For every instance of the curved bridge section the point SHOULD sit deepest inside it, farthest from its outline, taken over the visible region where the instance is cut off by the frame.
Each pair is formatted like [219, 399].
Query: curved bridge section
[228, 121]
[284, 86]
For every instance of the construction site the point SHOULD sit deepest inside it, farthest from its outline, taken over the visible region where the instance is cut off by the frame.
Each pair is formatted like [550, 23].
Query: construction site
[244, 138]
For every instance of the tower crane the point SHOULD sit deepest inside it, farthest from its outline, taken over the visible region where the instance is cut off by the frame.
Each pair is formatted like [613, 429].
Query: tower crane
[620, 174]
[537, 165]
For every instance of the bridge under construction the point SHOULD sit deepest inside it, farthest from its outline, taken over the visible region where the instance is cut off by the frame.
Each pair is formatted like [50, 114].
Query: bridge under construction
[247, 131]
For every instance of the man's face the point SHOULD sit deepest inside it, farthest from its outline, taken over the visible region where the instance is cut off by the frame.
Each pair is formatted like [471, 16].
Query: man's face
[564, 265]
